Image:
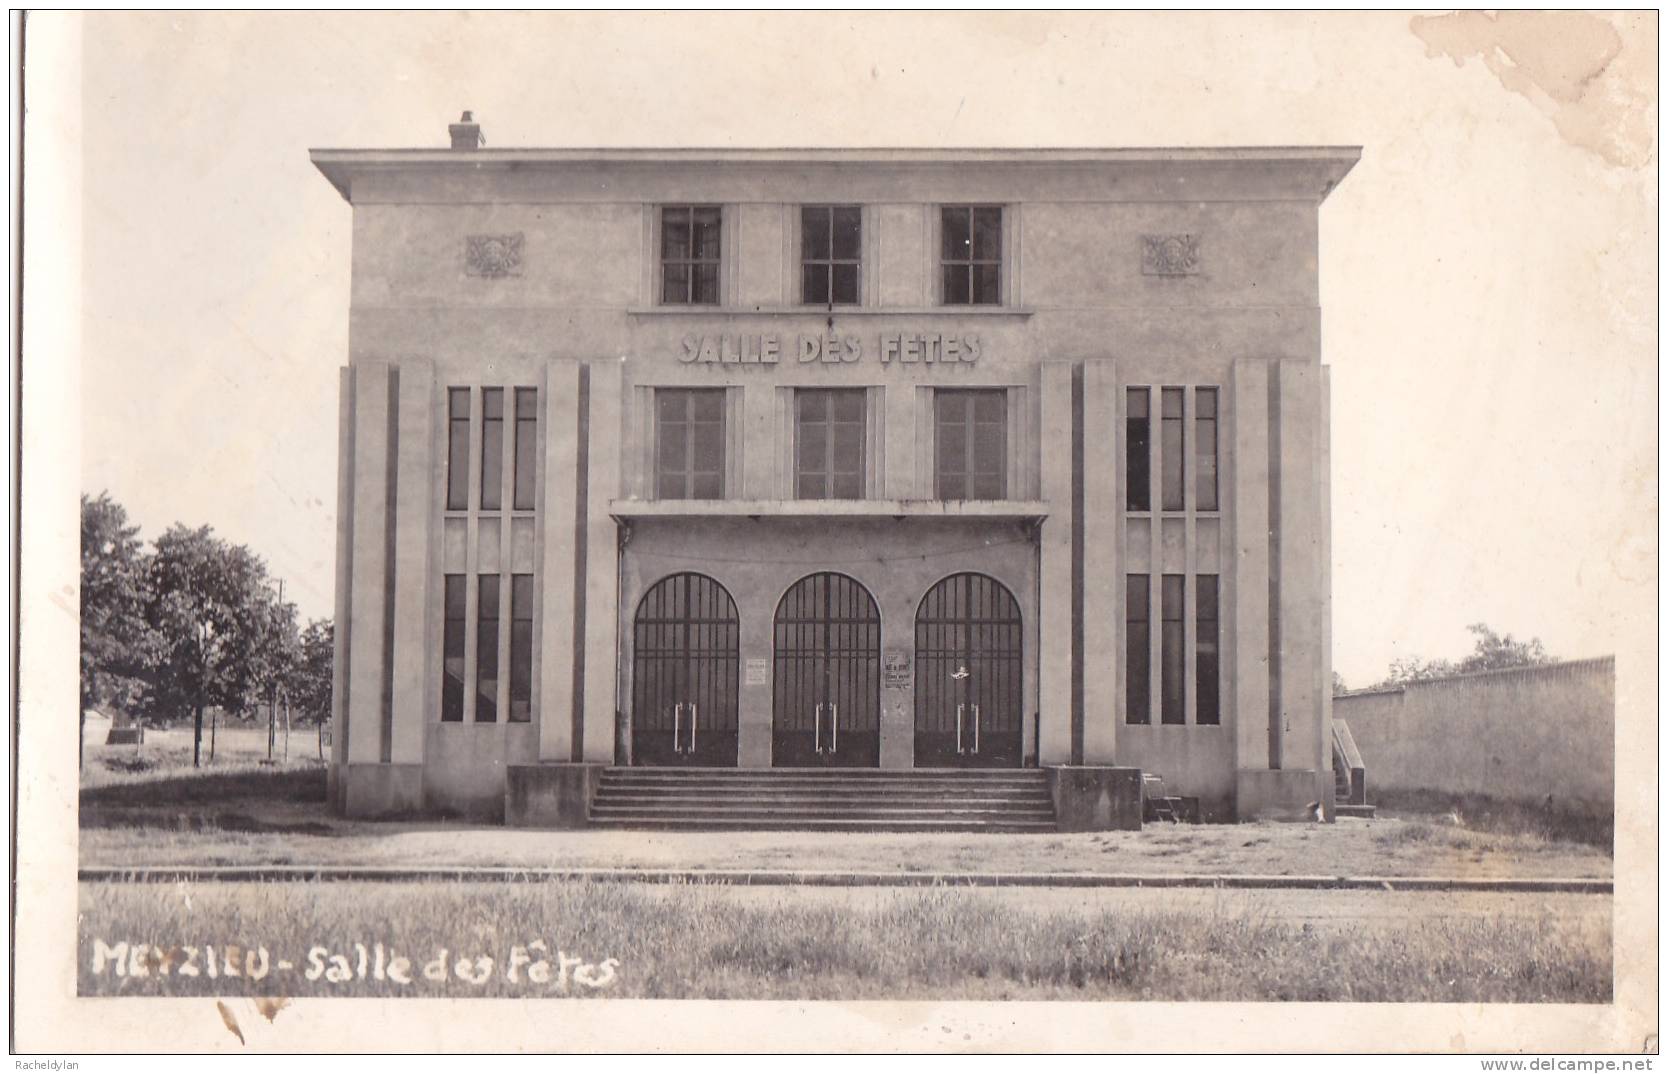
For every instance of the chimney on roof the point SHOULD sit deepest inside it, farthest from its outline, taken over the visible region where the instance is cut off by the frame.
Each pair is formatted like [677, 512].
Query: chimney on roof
[466, 133]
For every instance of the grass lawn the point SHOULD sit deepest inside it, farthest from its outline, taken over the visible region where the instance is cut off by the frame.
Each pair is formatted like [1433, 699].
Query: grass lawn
[686, 941]
[147, 806]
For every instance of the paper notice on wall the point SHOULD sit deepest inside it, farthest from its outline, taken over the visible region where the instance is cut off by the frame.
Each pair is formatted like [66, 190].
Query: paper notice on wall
[756, 671]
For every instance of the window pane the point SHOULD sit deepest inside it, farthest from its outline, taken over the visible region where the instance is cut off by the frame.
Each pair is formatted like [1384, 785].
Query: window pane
[845, 285]
[814, 227]
[951, 448]
[987, 285]
[706, 447]
[848, 448]
[673, 441]
[1204, 444]
[526, 443]
[951, 486]
[706, 404]
[957, 285]
[704, 288]
[987, 234]
[521, 648]
[674, 283]
[848, 233]
[707, 486]
[486, 651]
[1172, 707]
[847, 405]
[957, 236]
[674, 235]
[1137, 696]
[1209, 665]
[813, 447]
[845, 486]
[457, 450]
[706, 232]
[813, 486]
[452, 640]
[1171, 450]
[816, 284]
[1138, 491]
[492, 449]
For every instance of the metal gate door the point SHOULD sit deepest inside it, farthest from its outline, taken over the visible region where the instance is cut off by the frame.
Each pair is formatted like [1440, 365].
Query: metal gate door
[684, 683]
[827, 681]
[969, 647]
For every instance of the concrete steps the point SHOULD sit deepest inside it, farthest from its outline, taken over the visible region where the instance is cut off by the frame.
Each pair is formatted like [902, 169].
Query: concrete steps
[815, 799]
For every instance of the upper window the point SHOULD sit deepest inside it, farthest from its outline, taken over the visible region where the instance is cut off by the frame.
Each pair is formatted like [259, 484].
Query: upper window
[1204, 446]
[492, 449]
[689, 443]
[830, 430]
[526, 448]
[1137, 432]
[971, 257]
[457, 449]
[1170, 449]
[689, 254]
[831, 254]
[970, 444]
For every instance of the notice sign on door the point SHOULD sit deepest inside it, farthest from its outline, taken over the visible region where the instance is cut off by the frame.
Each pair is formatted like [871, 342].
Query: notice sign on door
[894, 669]
[757, 671]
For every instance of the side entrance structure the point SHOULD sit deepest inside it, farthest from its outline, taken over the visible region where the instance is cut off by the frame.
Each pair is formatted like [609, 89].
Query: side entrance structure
[832, 459]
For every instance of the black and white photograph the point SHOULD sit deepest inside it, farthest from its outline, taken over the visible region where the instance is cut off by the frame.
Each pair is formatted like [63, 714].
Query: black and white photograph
[964, 531]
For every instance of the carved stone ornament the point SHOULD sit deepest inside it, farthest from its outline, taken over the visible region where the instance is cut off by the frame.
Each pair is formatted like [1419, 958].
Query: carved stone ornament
[1169, 255]
[493, 256]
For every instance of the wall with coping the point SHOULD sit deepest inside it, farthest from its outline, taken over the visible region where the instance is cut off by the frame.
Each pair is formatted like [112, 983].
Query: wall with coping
[1524, 733]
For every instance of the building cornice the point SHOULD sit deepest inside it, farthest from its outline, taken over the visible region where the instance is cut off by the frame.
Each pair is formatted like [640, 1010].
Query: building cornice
[1317, 168]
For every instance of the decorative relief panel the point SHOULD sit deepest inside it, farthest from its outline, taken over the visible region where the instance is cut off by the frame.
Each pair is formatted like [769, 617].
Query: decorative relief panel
[1169, 255]
[493, 256]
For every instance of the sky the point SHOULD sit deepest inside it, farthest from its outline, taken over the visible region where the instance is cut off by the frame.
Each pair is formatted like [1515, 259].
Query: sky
[1488, 270]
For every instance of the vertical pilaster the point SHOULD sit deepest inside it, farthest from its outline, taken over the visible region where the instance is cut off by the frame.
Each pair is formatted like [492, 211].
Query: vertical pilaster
[367, 625]
[1054, 664]
[558, 517]
[340, 680]
[760, 453]
[1323, 481]
[1249, 487]
[602, 557]
[899, 430]
[1301, 555]
[1102, 563]
[413, 576]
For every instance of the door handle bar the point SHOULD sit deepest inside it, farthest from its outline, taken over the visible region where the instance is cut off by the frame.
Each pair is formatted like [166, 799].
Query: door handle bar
[677, 727]
[975, 729]
[834, 729]
[959, 709]
[694, 718]
[819, 727]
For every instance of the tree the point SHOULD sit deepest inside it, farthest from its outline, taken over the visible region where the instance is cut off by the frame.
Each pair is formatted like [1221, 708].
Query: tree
[117, 646]
[311, 682]
[211, 611]
[1490, 653]
[1494, 651]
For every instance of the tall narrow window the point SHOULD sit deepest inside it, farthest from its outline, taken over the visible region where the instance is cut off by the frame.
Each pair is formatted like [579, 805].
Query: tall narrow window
[830, 430]
[526, 448]
[971, 254]
[521, 648]
[451, 649]
[486, 651]
[1204, 445]
[457, 449]
[689, 254]
[1137, 655]
[492, 449]
[830, 245]
[1208, 668]
[970, 446]
[1172, 708]
[1137, 450]
[1171, 449]
[689, 443]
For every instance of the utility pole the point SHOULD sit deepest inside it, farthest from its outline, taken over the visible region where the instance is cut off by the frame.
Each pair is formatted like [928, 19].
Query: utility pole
[272, 707]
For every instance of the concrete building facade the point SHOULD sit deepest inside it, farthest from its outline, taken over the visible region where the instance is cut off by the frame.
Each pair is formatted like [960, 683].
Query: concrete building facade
[883, 458]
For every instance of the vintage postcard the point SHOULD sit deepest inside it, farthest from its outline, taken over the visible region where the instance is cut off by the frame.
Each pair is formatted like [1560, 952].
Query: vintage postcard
[901, 518]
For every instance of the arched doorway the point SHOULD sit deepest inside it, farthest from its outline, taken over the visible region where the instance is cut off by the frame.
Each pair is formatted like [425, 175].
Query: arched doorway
[969, 672]
[685, 673]
[827, 681]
